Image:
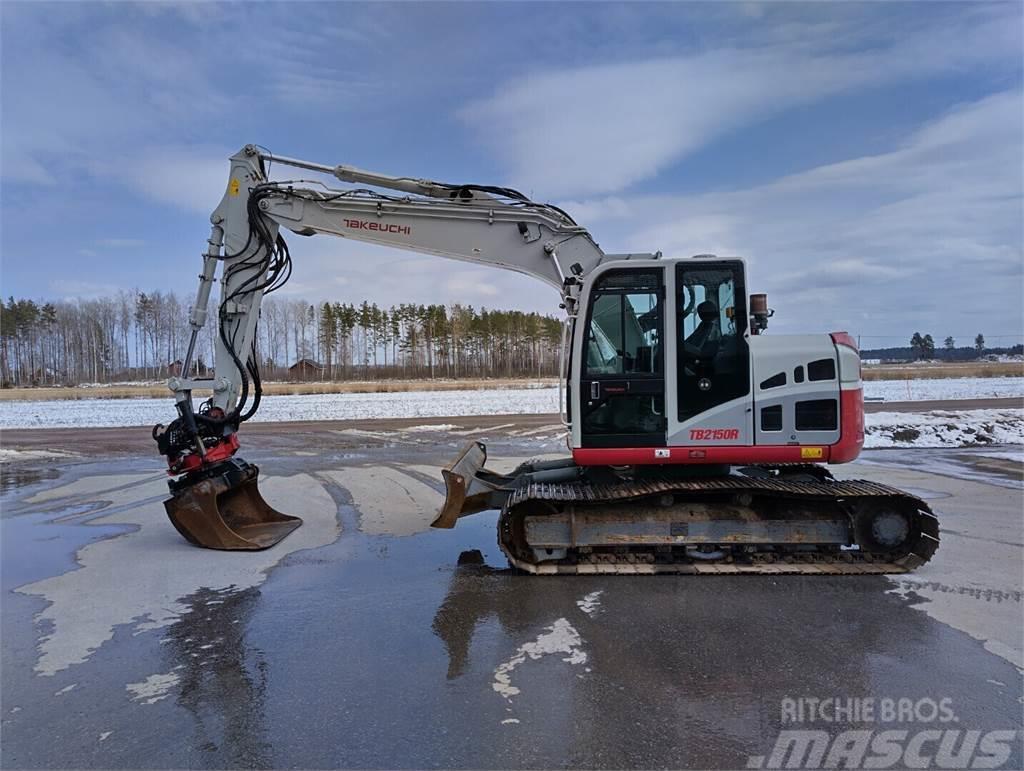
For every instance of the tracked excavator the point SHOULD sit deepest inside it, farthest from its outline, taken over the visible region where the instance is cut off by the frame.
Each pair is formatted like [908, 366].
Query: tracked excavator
[699, 444]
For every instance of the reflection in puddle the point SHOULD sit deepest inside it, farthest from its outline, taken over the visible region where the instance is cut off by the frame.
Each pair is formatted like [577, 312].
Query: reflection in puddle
[220, 679]
[16, 476]
[663, 641]
[994, 465]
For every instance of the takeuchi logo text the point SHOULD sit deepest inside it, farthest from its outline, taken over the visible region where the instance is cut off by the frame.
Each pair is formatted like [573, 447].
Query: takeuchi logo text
[380, 227]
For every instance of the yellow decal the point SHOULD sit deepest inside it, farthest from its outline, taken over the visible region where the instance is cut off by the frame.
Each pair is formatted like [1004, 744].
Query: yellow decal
[233, 187]
[811, 452]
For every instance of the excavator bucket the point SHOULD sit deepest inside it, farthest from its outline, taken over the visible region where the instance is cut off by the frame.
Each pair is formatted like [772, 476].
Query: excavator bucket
[227, 512]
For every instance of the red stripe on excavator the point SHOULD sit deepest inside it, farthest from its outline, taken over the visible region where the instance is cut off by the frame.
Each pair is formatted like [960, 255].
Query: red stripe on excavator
[734, 455]
[851, 439]
[851, 425]
[844, 338]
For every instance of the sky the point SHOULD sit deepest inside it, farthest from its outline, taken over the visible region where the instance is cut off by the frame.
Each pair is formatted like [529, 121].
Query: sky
[866, 159]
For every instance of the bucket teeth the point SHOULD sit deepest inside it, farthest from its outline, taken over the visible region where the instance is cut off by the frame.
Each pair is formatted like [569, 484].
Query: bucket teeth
[227, 512]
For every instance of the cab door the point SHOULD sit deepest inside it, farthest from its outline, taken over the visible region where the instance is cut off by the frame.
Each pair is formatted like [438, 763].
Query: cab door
[622, 377]
[712, 356]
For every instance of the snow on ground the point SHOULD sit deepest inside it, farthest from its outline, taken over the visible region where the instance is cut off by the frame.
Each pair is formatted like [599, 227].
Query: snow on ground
[943, 388]
[274, 409]
[942, 428]
[1006, 453]
[123, 383]
[14, 456]
[883, 428]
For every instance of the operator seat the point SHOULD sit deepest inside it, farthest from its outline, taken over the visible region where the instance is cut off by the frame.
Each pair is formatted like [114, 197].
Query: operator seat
[708, 334]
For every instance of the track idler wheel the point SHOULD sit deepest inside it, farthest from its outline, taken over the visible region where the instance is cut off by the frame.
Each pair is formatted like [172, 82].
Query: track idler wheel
[224, 510]
[883, 530]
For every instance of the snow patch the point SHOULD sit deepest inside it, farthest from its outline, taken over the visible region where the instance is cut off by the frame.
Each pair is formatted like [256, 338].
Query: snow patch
[943, 388]
[14, 456]
[560, 637]
[943, 428]
[535, 400]
[590, 603]
[153, 688]
[554, 429]
[389, 501]
[106, 413]
[483, 430]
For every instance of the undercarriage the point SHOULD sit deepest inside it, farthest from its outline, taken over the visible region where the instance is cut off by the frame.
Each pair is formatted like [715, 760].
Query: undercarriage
[559, 518]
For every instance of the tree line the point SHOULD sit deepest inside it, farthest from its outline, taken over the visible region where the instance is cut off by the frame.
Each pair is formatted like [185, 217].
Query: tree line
[143, 336]
[923, 347]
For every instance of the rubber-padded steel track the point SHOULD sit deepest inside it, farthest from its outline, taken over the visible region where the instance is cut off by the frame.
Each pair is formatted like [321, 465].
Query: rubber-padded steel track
[856, 500]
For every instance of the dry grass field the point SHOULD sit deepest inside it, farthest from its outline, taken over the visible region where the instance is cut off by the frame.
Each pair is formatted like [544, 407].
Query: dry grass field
[922, 370]
[123, 391]
[914, 371]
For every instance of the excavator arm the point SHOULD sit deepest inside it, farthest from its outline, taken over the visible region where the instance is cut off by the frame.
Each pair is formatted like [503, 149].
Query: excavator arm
[485, 225]
[472, 223]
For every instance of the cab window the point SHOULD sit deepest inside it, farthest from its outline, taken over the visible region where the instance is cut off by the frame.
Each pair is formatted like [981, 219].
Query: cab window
[625, 323]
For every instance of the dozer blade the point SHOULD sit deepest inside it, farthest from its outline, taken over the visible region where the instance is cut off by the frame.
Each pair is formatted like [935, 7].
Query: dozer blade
[227, 512]
[461, 497]
[470, 488]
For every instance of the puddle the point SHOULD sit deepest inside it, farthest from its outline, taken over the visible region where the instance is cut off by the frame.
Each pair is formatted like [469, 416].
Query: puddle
[14, 477]
[23, 563]
[975, 464]
[109, 566]
[368, 632]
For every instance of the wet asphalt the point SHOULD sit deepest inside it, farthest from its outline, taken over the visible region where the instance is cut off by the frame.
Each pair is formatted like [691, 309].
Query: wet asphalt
[381, 651]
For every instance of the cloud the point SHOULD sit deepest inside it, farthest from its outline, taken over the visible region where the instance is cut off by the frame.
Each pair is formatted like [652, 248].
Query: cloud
[119, 119]
[468, 287]
[937, 217]
[74, 289]
[602, 128]
[190, 178]
[349, 271]
[19, 167]
[121, 243]
[93, 83]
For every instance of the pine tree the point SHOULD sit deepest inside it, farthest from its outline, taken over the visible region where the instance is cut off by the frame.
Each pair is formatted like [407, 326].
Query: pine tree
[917, 345]
[928, 347]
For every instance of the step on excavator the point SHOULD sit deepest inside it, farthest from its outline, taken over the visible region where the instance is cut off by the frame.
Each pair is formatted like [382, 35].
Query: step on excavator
[699, 444]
